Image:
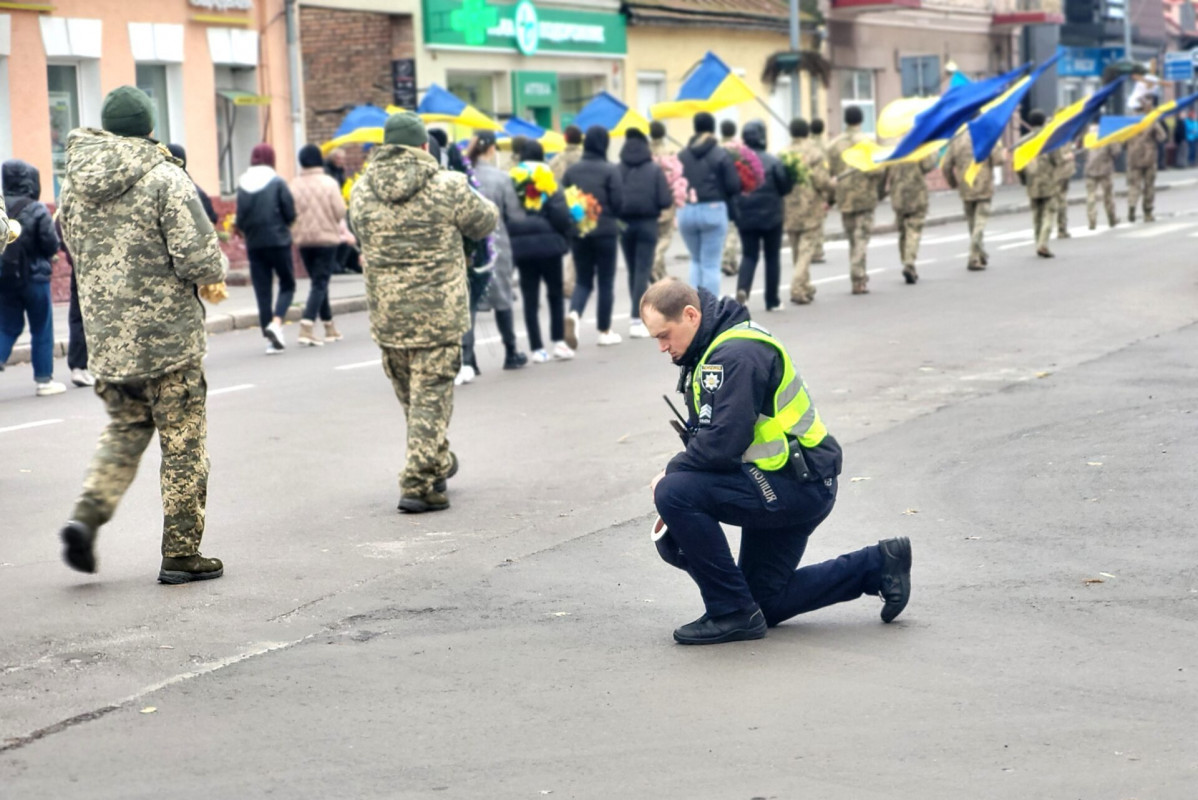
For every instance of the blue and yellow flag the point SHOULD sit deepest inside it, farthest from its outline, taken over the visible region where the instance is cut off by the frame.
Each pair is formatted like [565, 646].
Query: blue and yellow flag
[439, 105]
[954, 108]
[1114, 130]
[710, 87]
[551, 141]
[608, 112]
[1064, 126]
[362, 125]
[986, 130]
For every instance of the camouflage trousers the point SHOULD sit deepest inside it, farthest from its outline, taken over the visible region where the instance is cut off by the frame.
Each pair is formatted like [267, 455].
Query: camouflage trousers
[858, 225]
[818, 236]
[665, 235]
[1141, 180]
[173, 405]
[1063, 209]
[977, 214]
[910, 230]
[802, 251]
[730, 263]
[1043, 214]
[1107, 186]
[423, 382]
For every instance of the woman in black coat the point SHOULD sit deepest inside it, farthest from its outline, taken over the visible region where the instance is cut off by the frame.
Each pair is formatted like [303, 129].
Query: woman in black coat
[646, 195]
[538, 243]
[595, 253]
[759, 220]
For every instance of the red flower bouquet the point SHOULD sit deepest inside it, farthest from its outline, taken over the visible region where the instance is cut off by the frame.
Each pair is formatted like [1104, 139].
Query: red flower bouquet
[748, 166]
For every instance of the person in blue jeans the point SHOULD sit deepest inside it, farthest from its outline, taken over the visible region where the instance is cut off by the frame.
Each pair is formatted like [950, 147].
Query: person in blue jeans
[703, 221]
[25, 270]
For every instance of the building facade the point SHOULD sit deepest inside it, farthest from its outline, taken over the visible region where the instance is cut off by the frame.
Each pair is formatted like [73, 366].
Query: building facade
[215, 69]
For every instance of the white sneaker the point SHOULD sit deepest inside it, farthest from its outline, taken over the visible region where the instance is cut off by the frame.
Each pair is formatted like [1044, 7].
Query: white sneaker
[271, 350]
[274, 332]
[608, 338]
[562, 351]
[465, 375]
[637, 330]
[539, 356]
[572, 324]
[81, 377]
[50, 387]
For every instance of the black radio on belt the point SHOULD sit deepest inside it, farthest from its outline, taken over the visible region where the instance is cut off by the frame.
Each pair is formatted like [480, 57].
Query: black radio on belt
[799, 463]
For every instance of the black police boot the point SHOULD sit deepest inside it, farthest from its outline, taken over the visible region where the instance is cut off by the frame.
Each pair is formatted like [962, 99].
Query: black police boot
[442, 484]
[79, 541]
[186, 569]
[736, 627]
[895, 589]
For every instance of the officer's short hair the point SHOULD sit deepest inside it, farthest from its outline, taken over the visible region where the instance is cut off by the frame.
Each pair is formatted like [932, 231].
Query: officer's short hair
[668, 297]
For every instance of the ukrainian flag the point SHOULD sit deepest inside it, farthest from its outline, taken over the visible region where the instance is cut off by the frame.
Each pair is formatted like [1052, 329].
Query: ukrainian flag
[1114, 130]
[551, 141]
[608, 112]
[986, 130]
[439, 105]
[362, 125]
[711, 86]
[1064, 126]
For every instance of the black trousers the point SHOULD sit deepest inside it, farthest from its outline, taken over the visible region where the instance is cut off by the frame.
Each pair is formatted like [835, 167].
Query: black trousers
[595, 256]
[77, 342]
[752, 243]
[265, 263]
[533, 272]
[639, 243]
[319, 262]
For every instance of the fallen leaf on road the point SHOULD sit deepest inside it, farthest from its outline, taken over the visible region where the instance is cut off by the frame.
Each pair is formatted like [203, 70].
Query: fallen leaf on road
[911, 511]
[1043, 374]
[148, 710]
[859, 478]
[1093, 463]
[1106, 574]
[1093, 580]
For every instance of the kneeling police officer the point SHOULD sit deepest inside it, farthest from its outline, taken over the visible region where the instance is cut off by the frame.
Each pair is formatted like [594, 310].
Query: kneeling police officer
[757, 456]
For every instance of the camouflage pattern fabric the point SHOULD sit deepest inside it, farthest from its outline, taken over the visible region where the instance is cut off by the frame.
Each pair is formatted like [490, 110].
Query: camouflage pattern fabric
[802, 251]
[803, 208]
[1107, 187]
[665, 234]
[977, 214]
[1100, 163]
[567, 158]
[820, 257]
[858, 226]
[1142, 150]
[1043, 213]
[141, 243]
[910, 231]
[855, 191]
[1141, 182]
[410, 217]
[908, 186]
[959, 158]
[423, 382]
[174, 405]
[1043, 175]
[1068, 166]
[730, 261]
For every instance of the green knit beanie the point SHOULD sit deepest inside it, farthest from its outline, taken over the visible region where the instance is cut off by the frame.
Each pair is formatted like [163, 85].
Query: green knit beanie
[127, 111]
[405, 128]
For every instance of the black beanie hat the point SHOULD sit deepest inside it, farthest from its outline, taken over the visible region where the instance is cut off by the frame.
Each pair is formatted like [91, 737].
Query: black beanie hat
[532, 151]
[596, 140]
[310, 156]
[704, 123]
[127, 111]
[798, 128]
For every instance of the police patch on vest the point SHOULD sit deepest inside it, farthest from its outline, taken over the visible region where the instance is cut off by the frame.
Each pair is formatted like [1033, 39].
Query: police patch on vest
[712, 377]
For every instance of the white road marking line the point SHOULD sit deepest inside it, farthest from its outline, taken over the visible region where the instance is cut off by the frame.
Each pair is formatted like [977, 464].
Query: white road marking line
[29, 425]
[238, 388]
[835, 278]
[1157, 230]
[374, 363]
[962, 255]
[1002, 237]
[1017, 244]
[956, 237]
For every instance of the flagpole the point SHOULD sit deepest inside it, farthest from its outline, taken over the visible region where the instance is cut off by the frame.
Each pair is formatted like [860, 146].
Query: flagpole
[772, 112]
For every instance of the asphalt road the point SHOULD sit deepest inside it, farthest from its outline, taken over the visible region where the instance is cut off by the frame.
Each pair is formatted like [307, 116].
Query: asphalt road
[1029, 427]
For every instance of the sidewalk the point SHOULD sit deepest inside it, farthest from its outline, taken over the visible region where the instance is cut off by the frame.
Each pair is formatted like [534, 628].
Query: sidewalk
[346, 295]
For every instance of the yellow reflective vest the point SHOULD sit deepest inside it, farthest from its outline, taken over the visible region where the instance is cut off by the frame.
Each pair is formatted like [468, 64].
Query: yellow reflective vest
[794, 413]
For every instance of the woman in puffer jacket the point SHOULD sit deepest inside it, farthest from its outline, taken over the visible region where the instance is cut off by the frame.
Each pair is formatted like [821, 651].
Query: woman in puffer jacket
[319, 211]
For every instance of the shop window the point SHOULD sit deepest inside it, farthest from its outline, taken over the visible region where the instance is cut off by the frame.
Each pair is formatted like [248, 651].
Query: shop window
[921, 75]
[151, 79]
[476, 89]
[857, 89]
[650, 90]
[575, 93]
[63, 84]
[237, 126]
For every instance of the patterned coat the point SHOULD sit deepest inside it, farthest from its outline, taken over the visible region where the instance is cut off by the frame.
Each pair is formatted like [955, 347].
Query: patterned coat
[1141, 151]
[855, 190]
[410, 217]
[804, 208]
[957, 161]
[141, 244]
[908, 187]
[1100, 162]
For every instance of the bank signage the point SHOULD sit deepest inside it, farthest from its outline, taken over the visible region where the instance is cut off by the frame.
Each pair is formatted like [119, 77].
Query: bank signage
[523, 27]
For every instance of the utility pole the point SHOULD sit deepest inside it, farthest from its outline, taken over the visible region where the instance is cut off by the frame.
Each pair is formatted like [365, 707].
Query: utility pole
[295, 75]
[794, 48]
[1127, 54]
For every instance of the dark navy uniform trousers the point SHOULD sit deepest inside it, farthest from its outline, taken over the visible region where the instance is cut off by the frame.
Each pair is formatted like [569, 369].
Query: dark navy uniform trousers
[775, 520]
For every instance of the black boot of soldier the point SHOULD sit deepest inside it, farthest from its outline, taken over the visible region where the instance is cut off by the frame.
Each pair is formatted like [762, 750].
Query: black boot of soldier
[736, 627]
[79, 539]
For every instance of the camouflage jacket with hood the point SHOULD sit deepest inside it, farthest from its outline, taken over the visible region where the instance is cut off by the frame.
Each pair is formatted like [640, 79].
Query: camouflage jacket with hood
[141, 243]
[410, 217]
[804, 208]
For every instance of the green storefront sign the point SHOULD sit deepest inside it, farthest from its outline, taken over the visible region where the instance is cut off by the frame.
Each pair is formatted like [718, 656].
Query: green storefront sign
[522, 27]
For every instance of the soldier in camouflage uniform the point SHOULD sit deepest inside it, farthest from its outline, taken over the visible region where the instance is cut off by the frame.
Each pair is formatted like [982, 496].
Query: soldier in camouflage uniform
[801, 218]
[142, 244]
[1141, 169]
[410, 217]
[976, 196]
[567, 158]
[817, 137]
[857, 195]
[1068, 167]
[730, 261]
[660, 146]
[909, 198]
[1100, 166]
[1042, 177]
